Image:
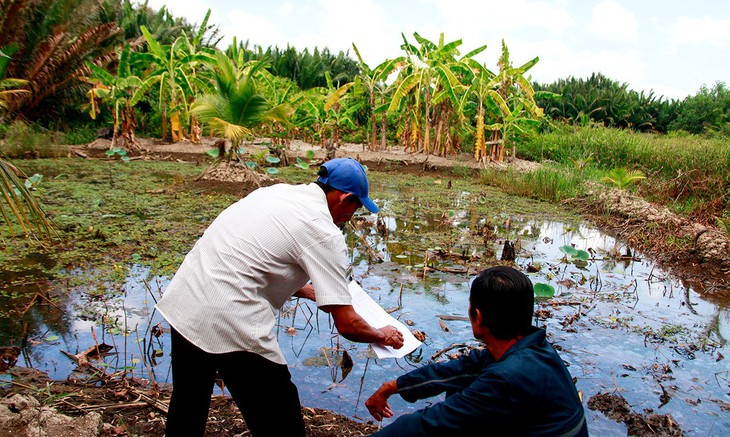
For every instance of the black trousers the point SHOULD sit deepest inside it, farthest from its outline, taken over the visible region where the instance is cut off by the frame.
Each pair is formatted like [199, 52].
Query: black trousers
[262, 390]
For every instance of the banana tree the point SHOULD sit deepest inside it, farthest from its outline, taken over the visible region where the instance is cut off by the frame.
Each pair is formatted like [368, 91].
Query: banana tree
[119, 91]
[481, 81]
[512, 104]
[328, 112]
[374, 82]
[175, 69]
[234, 107]
[286, 94]
[450, 98]
[429, 77]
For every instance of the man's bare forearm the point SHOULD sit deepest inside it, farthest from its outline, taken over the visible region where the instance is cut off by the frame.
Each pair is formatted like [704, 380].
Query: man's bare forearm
[355, 328]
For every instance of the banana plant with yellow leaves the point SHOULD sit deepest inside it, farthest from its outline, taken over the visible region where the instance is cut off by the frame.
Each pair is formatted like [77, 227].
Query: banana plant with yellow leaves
[510, 105]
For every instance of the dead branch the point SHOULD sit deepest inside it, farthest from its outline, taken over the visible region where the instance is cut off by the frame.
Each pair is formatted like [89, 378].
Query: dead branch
[457, 318]
[444, 350]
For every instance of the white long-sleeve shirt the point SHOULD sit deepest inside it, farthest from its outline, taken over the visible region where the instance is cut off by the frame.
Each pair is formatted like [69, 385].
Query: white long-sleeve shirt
[253, 257]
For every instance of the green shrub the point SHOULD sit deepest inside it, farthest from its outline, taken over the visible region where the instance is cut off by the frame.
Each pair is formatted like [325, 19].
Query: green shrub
[30, 141]
[79, 136]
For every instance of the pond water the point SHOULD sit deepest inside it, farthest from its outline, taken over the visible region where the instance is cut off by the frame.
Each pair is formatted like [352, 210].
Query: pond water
[622, 324]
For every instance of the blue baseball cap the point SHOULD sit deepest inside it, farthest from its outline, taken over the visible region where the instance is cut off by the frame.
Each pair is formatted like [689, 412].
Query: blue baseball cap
[348, 176]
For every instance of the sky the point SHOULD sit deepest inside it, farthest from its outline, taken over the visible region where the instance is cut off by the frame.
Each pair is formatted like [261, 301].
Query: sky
[671, 47]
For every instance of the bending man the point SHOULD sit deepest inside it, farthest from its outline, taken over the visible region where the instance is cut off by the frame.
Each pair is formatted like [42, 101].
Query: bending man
[223, 301]
[518, 385]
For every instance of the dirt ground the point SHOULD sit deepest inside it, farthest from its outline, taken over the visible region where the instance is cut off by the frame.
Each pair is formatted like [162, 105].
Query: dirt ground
[34, 405]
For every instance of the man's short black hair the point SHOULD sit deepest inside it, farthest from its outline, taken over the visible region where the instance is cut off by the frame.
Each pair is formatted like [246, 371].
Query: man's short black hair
[505, 298]
[323, 173]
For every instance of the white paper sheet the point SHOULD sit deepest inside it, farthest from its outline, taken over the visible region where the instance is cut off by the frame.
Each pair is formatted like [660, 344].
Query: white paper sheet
[376, 316]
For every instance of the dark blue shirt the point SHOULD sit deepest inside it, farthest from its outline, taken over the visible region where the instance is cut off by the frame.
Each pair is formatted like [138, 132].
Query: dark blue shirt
[528, 391]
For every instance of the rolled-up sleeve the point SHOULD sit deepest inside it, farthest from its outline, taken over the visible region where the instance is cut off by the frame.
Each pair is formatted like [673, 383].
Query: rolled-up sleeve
[488, 400]
[450, 376]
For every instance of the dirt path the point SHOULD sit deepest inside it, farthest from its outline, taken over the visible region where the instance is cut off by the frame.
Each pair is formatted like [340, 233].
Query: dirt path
[298, 149]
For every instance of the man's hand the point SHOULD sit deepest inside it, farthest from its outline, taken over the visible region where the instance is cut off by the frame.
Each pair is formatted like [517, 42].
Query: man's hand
[392, 337]
[377, 404]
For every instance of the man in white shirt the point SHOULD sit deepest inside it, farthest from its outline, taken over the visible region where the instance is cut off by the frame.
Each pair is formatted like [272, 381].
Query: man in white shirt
[223, 301]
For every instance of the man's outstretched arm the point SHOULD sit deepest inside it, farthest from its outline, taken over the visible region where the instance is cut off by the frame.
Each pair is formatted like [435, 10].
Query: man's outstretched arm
[427, 381]
[355, 328]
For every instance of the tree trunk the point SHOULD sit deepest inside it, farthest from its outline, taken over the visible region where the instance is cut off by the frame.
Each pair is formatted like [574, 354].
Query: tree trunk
[427, 124]
[438, 147]
[480, 147]
[125, 139]
[177, 133]
[164, 123]
[383, 131]
[196, 132]
[496, 136]
[373, 124]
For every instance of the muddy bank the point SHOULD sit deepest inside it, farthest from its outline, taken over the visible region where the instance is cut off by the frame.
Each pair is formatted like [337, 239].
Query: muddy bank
[697, 253]
[33, 405]
[648, 424]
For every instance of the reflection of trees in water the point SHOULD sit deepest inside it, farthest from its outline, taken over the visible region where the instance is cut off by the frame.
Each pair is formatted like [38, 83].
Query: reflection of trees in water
[718, 328]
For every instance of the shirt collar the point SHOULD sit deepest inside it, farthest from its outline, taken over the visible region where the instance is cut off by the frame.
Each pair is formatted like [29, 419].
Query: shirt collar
[321, 198]
[536, 337]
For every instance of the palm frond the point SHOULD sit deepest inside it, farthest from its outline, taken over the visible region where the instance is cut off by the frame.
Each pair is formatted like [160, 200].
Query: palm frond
[22, 204]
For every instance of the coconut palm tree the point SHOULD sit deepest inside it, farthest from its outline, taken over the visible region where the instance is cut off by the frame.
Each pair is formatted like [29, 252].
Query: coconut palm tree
[622, 178]
[234, 106]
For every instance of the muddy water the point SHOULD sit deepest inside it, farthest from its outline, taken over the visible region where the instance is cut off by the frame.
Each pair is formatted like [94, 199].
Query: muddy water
[622, 325]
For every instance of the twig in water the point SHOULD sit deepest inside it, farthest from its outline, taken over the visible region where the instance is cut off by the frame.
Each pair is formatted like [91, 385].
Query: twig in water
[362, 383]
[144, 360]
[444, 350]
[456, 318]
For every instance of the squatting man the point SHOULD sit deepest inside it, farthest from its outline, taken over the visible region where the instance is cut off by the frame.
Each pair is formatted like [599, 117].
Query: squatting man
[517, 386]
[223, 301]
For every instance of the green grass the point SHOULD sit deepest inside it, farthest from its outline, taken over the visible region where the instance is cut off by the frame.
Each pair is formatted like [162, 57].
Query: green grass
[687, 173]
[550, 182]
[22, 140]
[611, 148]
[111, 212]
